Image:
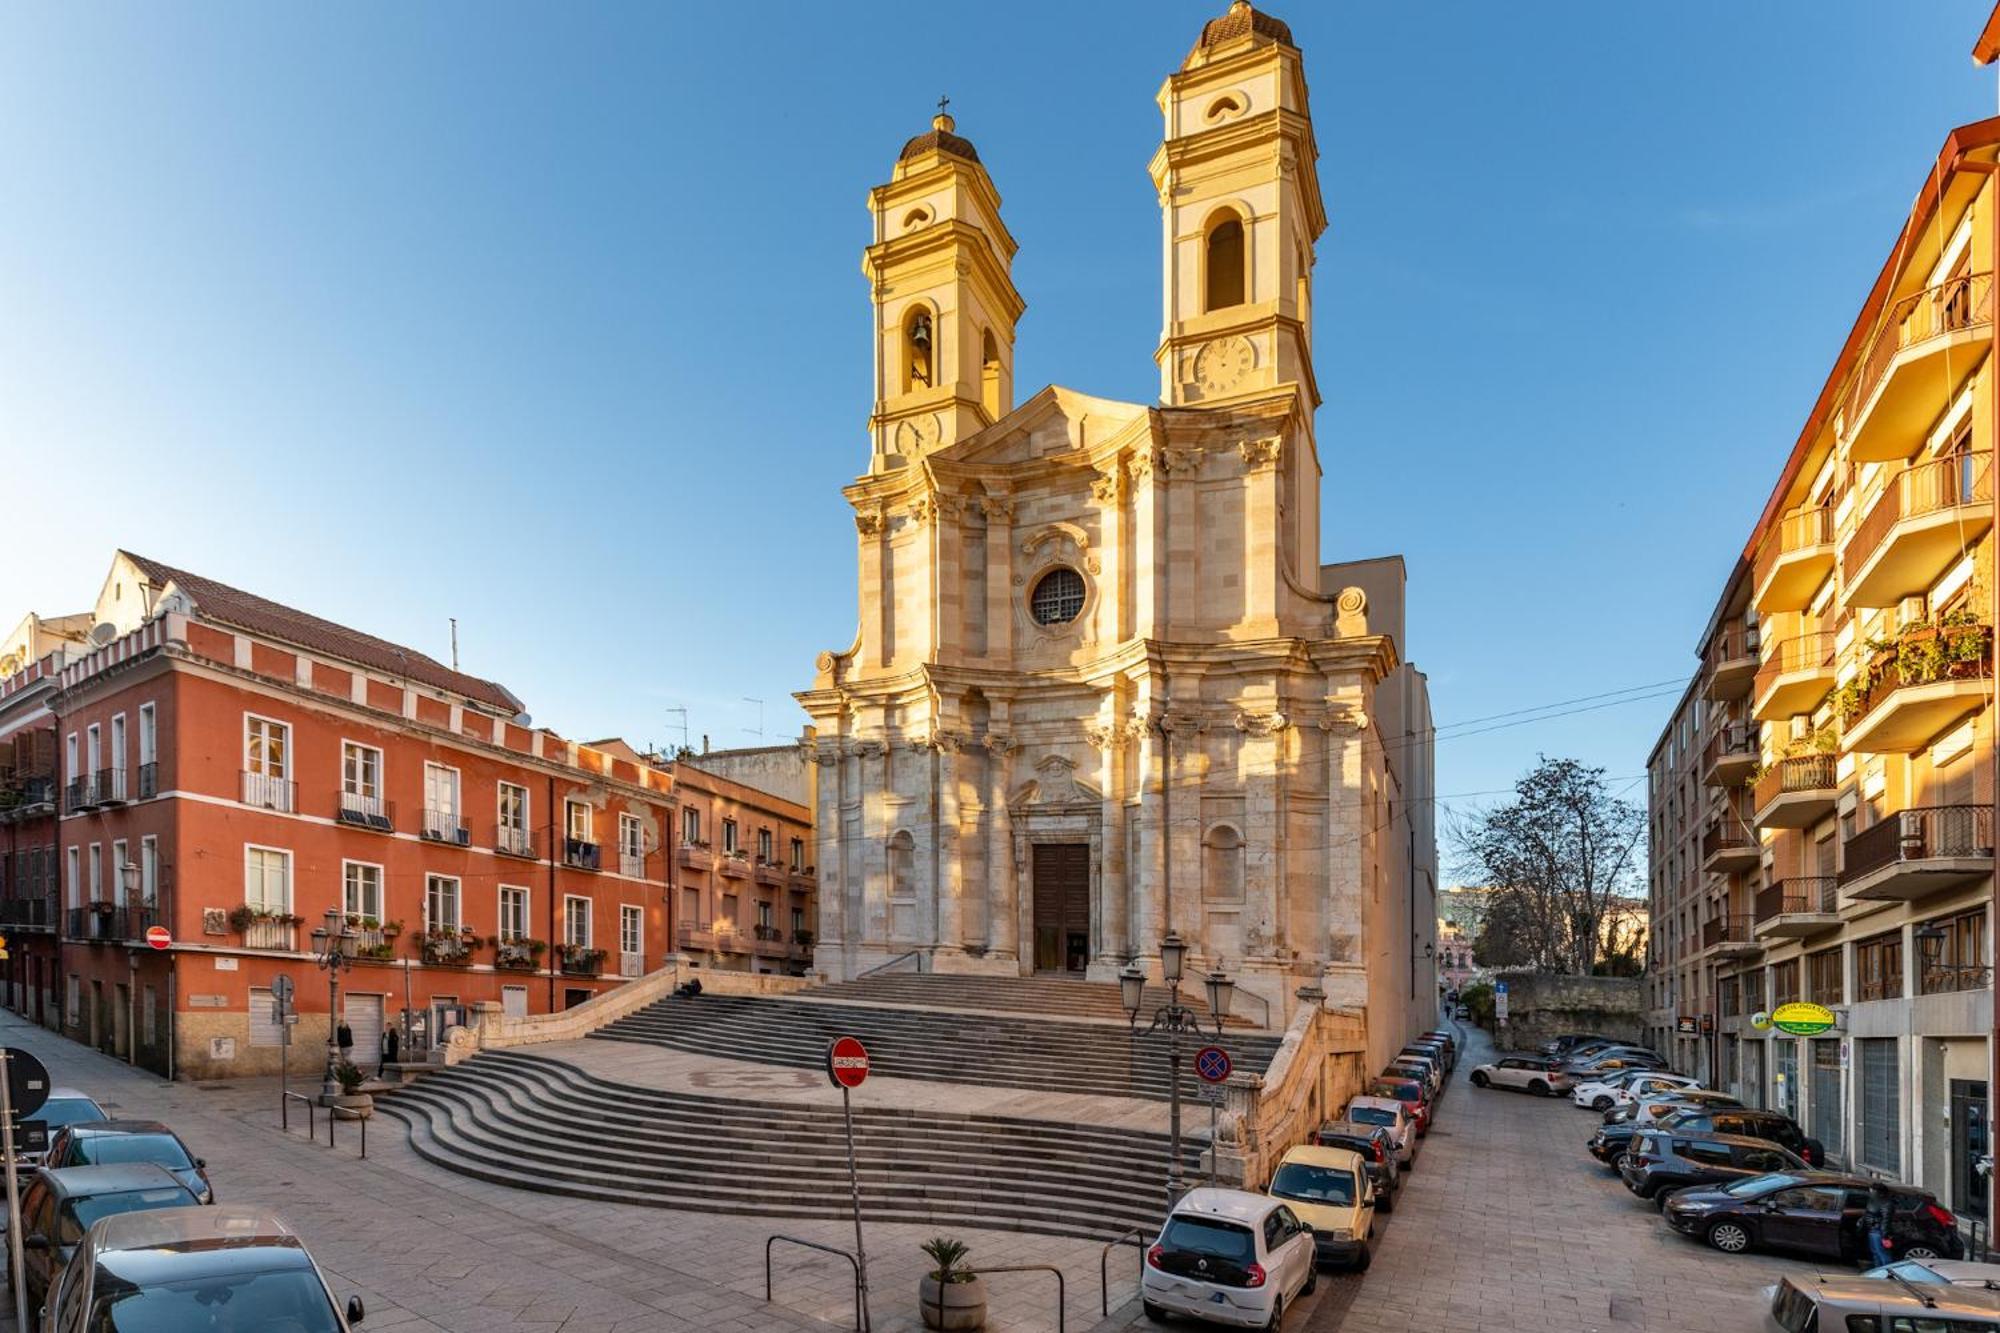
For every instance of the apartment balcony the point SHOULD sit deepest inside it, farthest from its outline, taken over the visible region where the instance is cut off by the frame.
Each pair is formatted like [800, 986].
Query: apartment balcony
[632, 865]
[79, 794]
[368, 812]
[1934, 676]
[447, 948]
[23, 797]
[767, 942]
[514, 841]
[1795, 909]
[97, 922]
[35, 912]
[1793, 560]
[137, 919]
[694, 936]
[1796, 676]
[1925, 519]
[1796, 792]
[271, 932]
[1729, 845]
[1730, 756]
[771, 874]
[1729, 937]
[269, 793]
[695, 855]
[149, 781]
[1914, 854]
[1732, 661]
[444, 824]
[802, 944]
[581, 855]
[110, 785]
[736, 865]
[579, 960]
[728, 939]
[1928, 346]
[519, 955]
[802, 879]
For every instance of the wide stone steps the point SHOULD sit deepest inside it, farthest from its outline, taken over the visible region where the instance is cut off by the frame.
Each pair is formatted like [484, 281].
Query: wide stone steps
[1045, 997]
[540, 1124]
[989, 1050]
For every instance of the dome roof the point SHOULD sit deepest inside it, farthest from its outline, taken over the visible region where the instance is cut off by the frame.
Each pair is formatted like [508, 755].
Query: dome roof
[941, 138]
[1241, 21]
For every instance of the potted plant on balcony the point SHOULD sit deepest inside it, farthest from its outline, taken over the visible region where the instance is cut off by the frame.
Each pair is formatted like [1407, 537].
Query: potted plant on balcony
[521, 954]
[242, 917]
[581, 959]
[950, 1295]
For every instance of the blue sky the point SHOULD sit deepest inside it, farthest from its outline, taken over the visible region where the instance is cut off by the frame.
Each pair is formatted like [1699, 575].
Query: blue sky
[551, 319]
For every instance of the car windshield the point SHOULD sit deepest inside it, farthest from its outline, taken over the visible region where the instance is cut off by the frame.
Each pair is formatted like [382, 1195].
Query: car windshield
[1200, 1235]
[1314, 1184]
[1906, 1270]
[112, 1149]
[1372, 1115]
[1402, 1092]
[291, 1299]
[59, 1111]
[78, 1214]
[1756, 1185]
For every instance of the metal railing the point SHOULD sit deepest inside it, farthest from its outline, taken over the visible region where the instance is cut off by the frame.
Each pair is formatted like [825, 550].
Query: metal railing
[1800, 773]
[1731, 929]
[285, 1100]
[1923, 488]
[1918, 834]
[1134, 1237]
[1062, 1288]
[1950, 307]
[1962, 652]
[1735, 740]
[140, 917]
[513, 841]
[1800, 894]
[149, 780]
[110, 784]
[1800, 530]
[368, 811]
[1734, 642]
[441, 824]
[267, 792]
[860, 1317]
[580, 854]
[269, 933]
[632, 865]
[1812, 652]
[915, 956]
[1726, 834]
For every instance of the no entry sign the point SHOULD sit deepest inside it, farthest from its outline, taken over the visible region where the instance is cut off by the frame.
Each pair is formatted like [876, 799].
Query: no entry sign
[847, 1062]
[159, 937]
[1212, 1063]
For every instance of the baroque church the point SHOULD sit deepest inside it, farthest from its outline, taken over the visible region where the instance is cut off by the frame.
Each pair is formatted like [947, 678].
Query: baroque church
[1102, 687]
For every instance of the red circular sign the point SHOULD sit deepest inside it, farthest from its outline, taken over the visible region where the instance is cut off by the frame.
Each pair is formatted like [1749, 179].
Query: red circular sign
[159, 937]
[847, 1062]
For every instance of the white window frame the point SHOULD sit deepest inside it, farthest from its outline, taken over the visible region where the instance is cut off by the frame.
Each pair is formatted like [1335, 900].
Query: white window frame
[116, 754]
[569, 901]
[570, 808]
[282, 771]
[74, 888]
[93, 747]
[631, 845]
[632, 929]
[354, 779]
[149, 734]
[525, 899]
[347, 887]
[729, 834]
[432, 883]
[149, 869]
[799, 854]
[74, 757]
[520, 828]
[767, 845]
[453, 812]
[96, 861]
[119, 851]
[262, 900]
[690, 824]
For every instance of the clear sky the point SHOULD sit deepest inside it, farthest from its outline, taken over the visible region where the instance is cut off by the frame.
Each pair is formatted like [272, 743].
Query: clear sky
[551, 318]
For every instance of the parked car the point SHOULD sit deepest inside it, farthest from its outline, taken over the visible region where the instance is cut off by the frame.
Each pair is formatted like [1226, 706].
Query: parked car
[1437, 1047]
[1392, 1115]
[1661, 1161]
[1423, 1071]
[1446, 1040]
[1524, 1073]
[1603, 1062]
[1411, 1092]
[1434, 1056]
[233, 1268]
[1810, 1212]
[1754, 1122]
[1598, 1093]
[65, 1106]
[1571, 1041]
[1377, 1146]
[111, 1142]
[1231, 1257]
[1614, 1136]
[1330, 1191]
[59, 1206]
[1951, 1272]
[1800, 1304]
[1627, 1085]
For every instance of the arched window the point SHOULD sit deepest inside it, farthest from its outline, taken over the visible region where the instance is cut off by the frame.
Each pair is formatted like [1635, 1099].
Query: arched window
[919, 351]
[1224, 268]
[989, 376]
[1222, 865]
[1058, 597]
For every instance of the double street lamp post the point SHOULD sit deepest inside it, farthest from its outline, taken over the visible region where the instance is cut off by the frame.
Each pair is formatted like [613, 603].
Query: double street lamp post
[334, 946]
[1174, 1019]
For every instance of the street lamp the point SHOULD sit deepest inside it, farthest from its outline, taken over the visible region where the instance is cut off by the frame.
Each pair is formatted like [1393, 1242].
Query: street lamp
[128, 874]
[1930, 948]
[1174, 1018]
[333, 948]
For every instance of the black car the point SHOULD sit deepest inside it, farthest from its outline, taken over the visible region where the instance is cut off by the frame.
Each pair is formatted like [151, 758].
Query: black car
[1377, 1147]
[1622, 1122]
[1810, 1212]
[111, 1142]
[1661, 1161]
[1751, 1122]
[58, 1206]
[1570, 1041]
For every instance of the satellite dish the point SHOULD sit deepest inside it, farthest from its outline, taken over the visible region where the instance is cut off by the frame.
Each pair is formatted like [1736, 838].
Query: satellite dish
[523, 720]
[103, 632]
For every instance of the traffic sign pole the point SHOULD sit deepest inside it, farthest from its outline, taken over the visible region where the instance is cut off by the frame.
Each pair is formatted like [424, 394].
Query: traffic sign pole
[1212, 1063]
[14, 1236]
[847, 1068]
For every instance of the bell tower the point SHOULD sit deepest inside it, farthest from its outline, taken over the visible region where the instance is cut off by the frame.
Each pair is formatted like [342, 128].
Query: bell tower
[1238, 182]
[944, 299]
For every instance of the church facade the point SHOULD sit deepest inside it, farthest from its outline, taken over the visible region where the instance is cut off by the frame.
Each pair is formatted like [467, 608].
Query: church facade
[1102, 688]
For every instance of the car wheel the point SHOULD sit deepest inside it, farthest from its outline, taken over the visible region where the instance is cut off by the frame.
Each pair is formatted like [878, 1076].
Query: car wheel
[1600, 1103]
[1154, 1314]
[1367, 1257]
[1385, 1203]
[1729, 1237]
[1920, 1252]
[1312, 1280]
[1479, 1079]
[1539, 1088]
[1277, 1319]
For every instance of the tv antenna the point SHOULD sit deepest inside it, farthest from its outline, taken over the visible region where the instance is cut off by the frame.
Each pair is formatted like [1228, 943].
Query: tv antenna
[759, 732]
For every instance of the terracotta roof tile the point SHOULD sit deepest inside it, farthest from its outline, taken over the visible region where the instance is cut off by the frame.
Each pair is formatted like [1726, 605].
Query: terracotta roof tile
[257, 615]
[1241, 21]
[942, 140]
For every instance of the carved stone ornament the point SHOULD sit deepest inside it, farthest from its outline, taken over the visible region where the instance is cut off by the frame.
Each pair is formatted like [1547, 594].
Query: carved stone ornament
[923, 509]
[1261, 724]
[868, 522]
[1261, 453]
[824, 663]
[1057, 784]
[1344, 718]
[1350, 618]
[1108, 486]
[1141, 464]
[872, 749]
[999, 743]
[1182, 461]
[998, 508]
[1108, 736]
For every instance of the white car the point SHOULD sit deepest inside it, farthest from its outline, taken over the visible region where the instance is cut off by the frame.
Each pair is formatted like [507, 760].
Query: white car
[1525, 1073]
[1601, 1094]
[1230, 1257]
[1392, 1115]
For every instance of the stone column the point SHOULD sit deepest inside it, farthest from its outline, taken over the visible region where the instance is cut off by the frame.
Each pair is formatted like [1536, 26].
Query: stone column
[1109, 490]
[1260, 758]
[1149, 874]
[1261, 522]
[950, 860]
[831, 926]
[1339, 933]
[999, 577]
[1003, 930]
[873, 557]
[1113, 928]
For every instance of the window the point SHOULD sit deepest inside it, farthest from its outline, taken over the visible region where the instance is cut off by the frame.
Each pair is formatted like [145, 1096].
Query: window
[764, 918]
[149, 736]
[728, 910]
[513, 820]
[1958, 961]
[1823, 974]
[441, 807]
[117, 756]
[440, 904]
[362, 885]
[96, 872]
[92, 747]
[513, 912]
[70, 759]
[360, 778]
[1878, 967]
[149, 870]
[576, 821]
[763, 844]
[267, 879]
[690, 825]
[267, 747]
[1785, 982]
[1224, 263]
[73, 882]
[631, 930]
[631, 846]
[989, 377]
[798, 853]
[118, 861]
[576, 921]
[1708, 1154]
[1058, 597]
[728, 835]
[798, 922]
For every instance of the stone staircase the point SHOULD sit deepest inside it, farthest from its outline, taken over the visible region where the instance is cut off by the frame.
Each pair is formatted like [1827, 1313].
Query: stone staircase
[1045, 997]
[990, 1050]
[541, 1124]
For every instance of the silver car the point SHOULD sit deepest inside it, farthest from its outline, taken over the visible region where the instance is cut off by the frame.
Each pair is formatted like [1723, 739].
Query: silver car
[1837, 1304]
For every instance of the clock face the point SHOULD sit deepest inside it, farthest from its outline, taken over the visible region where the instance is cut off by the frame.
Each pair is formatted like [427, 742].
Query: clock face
[1223, 364]
[916, 434]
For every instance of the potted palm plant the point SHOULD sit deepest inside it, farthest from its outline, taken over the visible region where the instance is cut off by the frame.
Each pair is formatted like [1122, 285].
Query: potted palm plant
[951, 1295]
[352, 1099]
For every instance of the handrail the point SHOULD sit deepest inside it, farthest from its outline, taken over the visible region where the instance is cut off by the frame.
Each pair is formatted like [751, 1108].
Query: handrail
[1240, 994]
[1062, 1288]
[334, 1113]
[1929, 487]
[860, 1324]
[285, 1101]
[899, 958]
[1138, 1240]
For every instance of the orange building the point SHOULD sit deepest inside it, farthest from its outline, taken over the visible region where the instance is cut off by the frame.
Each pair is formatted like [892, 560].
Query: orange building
[232, 770]
[746, 877]
[28, 847]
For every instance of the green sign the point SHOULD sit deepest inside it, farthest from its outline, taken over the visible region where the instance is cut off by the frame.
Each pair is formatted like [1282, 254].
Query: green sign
[1802, 1019]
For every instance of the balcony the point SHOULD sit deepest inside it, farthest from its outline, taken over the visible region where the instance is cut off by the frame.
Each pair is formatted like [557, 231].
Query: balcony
[138, 918]
[1730, 756]
[695, 855]
[694, 936]
[1795, 677]
[736, 865]
[149, 781]
[22, 797]
[632, 865]
[802, 944]
[1797, 908]
[96, 922]
[1729, 936]
[728, 939]
[581, 961]
[581, 855]
[442, 824]
[110, 784]
[1793, 560]
[1925, 519]
[1728, 844]
[271, 932]
[801, 879]
[770, 873]
[767, 942]
[519, 955]
[1732, 661]
[363, 811]
[447, 948]
[1912, 690]
[33, 912]
[266, 792]
[1928, 346]
[1796, 792]
[513, 841]
[1915, 853]
[79, 794]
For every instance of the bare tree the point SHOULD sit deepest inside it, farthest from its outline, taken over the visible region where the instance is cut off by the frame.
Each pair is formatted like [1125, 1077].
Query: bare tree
[1556, 859]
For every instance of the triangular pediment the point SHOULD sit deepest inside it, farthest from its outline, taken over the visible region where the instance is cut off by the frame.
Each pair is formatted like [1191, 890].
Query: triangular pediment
[1054, 421]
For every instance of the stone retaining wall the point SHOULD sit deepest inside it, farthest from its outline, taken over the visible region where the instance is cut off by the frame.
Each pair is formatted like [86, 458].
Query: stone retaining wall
[1542, 1006]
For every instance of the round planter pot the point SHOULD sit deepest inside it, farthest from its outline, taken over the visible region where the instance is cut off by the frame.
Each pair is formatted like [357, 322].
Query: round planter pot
[952, 1304]
[360, 1104]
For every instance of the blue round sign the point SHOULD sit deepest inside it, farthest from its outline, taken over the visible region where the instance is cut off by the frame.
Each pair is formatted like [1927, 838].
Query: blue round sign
[1212, 1063]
